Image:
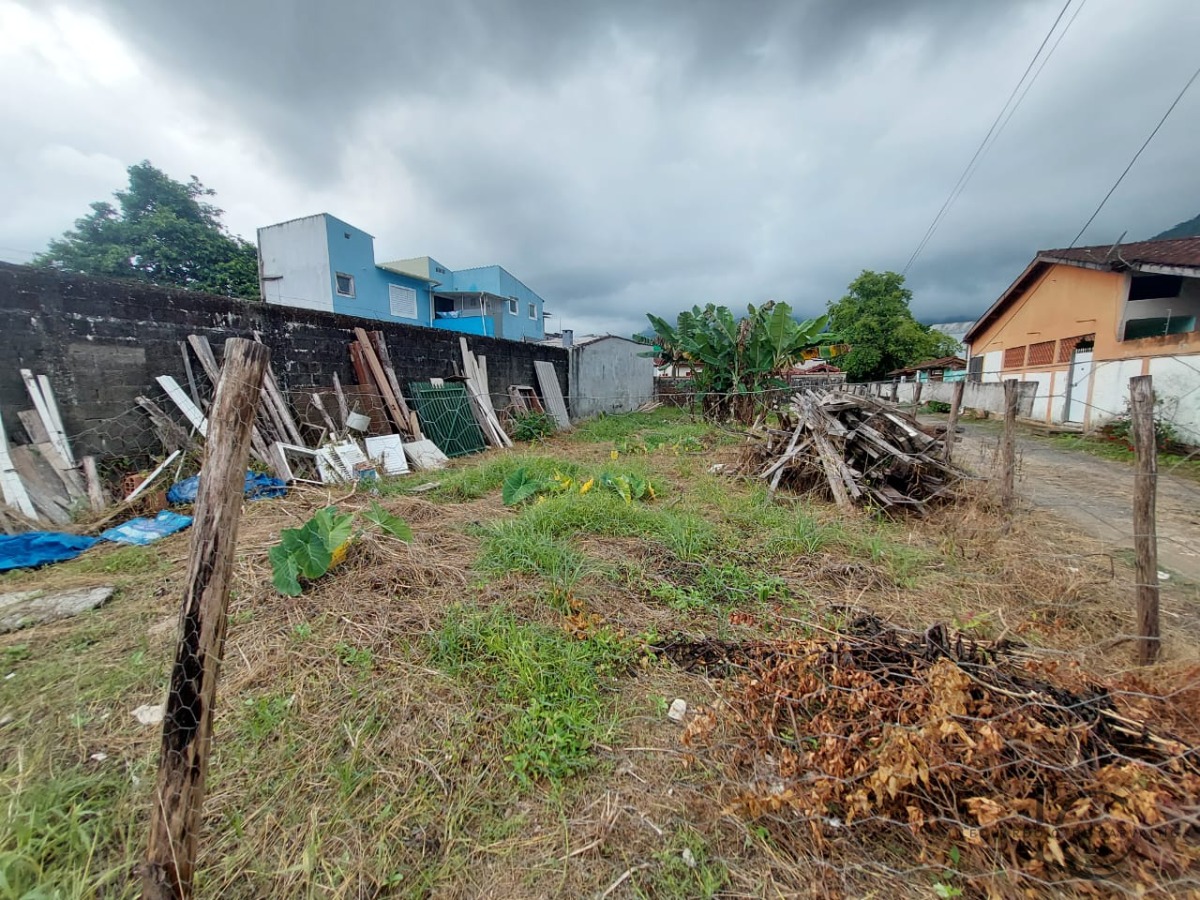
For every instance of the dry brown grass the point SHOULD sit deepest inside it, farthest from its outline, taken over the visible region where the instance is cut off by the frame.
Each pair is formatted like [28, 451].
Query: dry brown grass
[346, 764]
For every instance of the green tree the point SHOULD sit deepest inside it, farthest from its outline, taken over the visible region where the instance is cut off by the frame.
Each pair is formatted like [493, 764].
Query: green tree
[161, 231]
[875, 320]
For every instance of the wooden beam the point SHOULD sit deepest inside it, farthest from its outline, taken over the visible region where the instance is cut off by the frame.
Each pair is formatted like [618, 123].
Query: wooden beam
[189, 409]
[1145, 536]
[956, 395]
[343, 409]
[187, 724]
[381, 381]
[1008, 448]
[95, 489]
[11, 485]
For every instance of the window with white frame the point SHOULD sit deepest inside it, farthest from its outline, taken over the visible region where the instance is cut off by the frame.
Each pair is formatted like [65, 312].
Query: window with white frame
[402, 301]
[344, 284]
[512, 306]
[533, 311]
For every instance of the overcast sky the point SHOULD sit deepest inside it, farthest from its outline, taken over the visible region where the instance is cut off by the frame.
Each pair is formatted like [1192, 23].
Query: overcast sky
[620, 156]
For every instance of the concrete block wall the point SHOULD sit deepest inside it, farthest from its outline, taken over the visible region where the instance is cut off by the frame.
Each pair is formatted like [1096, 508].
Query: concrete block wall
[101, 342]
[984, 397]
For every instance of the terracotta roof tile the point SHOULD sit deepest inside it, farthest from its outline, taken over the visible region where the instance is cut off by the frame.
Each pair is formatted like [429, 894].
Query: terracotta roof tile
[1171, 252]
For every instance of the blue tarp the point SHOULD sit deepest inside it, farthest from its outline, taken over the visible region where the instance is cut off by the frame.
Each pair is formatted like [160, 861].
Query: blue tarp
[147, 531]
[36, 548]
[258, 487]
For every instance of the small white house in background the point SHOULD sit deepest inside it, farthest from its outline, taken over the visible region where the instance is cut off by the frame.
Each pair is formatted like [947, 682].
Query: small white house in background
[608, 374]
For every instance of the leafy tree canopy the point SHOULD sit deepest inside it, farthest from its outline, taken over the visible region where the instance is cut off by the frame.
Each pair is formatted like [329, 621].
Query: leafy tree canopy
[875, 320]
[161, 231]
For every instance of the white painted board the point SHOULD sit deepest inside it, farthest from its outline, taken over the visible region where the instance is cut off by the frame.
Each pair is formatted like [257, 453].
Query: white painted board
[548, 381]
[388, 449]
[425, 454]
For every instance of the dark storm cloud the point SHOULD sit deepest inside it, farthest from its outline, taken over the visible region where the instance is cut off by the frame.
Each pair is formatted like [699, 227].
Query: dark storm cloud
[626, 156]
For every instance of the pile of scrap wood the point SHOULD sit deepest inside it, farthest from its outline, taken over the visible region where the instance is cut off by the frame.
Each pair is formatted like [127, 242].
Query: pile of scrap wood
[854, 449]
[42, 481]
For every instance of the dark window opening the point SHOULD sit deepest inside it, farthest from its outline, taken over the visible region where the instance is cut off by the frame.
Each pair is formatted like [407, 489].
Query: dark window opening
[975, 369]
[1155, 287]
[1158, 325]
[345, 284]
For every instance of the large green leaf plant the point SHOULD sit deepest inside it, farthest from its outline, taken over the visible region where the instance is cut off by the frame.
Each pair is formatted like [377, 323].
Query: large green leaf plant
[315, 547]
[737, 362]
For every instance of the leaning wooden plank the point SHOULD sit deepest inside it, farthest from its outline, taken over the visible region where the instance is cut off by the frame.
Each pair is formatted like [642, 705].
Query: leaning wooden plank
[45, 489]
[13, 521]
[184, 402]
[70, 479]
[153, 476]
[191, 377]
[343, 409]
[13, 488]
[833, 475]
[488, 423]
[379, 345]
[791, 448]
[548, 381]
[59, 432]
[208, 360]
[381, 381]
[95, 489]
[281, 408]
[170, 434]
[33, 426]
[39, 403]
[319, 405]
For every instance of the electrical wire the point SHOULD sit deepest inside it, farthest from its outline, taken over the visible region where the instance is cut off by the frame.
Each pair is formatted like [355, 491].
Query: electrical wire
[1145, 144]
[966, 173]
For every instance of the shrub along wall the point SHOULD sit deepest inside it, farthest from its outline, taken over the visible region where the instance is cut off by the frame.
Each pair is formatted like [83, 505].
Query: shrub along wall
[102, 342]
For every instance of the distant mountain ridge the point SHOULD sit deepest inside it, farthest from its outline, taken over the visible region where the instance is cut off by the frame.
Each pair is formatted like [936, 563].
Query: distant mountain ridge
[1190, 228]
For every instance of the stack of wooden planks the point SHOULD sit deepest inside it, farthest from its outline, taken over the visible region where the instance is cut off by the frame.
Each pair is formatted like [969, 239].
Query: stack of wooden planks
[373, 366]
[476, 380]
[856, 450]
[42, 481]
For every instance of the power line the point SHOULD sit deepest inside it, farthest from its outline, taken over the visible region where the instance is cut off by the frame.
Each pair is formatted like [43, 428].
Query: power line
[962, 179]
[1145, 144]
[1011, 112]
[1062, 34]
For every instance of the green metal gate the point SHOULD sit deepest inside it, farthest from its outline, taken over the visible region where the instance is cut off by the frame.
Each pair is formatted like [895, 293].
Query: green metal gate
[446, 418]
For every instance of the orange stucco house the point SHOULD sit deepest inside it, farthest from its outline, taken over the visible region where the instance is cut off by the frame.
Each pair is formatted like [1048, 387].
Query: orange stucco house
[1081, 322]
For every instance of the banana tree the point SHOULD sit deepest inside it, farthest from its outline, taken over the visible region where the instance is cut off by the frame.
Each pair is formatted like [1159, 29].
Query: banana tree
[737, 362]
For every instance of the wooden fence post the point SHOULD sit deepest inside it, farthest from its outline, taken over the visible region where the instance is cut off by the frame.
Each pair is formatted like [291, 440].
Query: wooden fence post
[896, 390]
[956, 395]
[916, 400]
[187, 722]
[1145, 537]
[1008, 446]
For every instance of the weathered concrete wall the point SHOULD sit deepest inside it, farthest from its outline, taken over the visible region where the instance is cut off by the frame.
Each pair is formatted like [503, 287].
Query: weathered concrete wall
[609, 376]
[986, 397]
[101, 342]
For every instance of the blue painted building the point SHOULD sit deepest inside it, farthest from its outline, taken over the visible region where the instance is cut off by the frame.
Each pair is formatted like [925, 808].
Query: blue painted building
[321, 262]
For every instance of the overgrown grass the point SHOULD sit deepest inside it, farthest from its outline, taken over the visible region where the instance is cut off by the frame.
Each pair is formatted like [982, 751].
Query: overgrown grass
[546, 684]
[53, 830]
[662, 427]
[538, 539]
[686, 870]
[472, 478]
